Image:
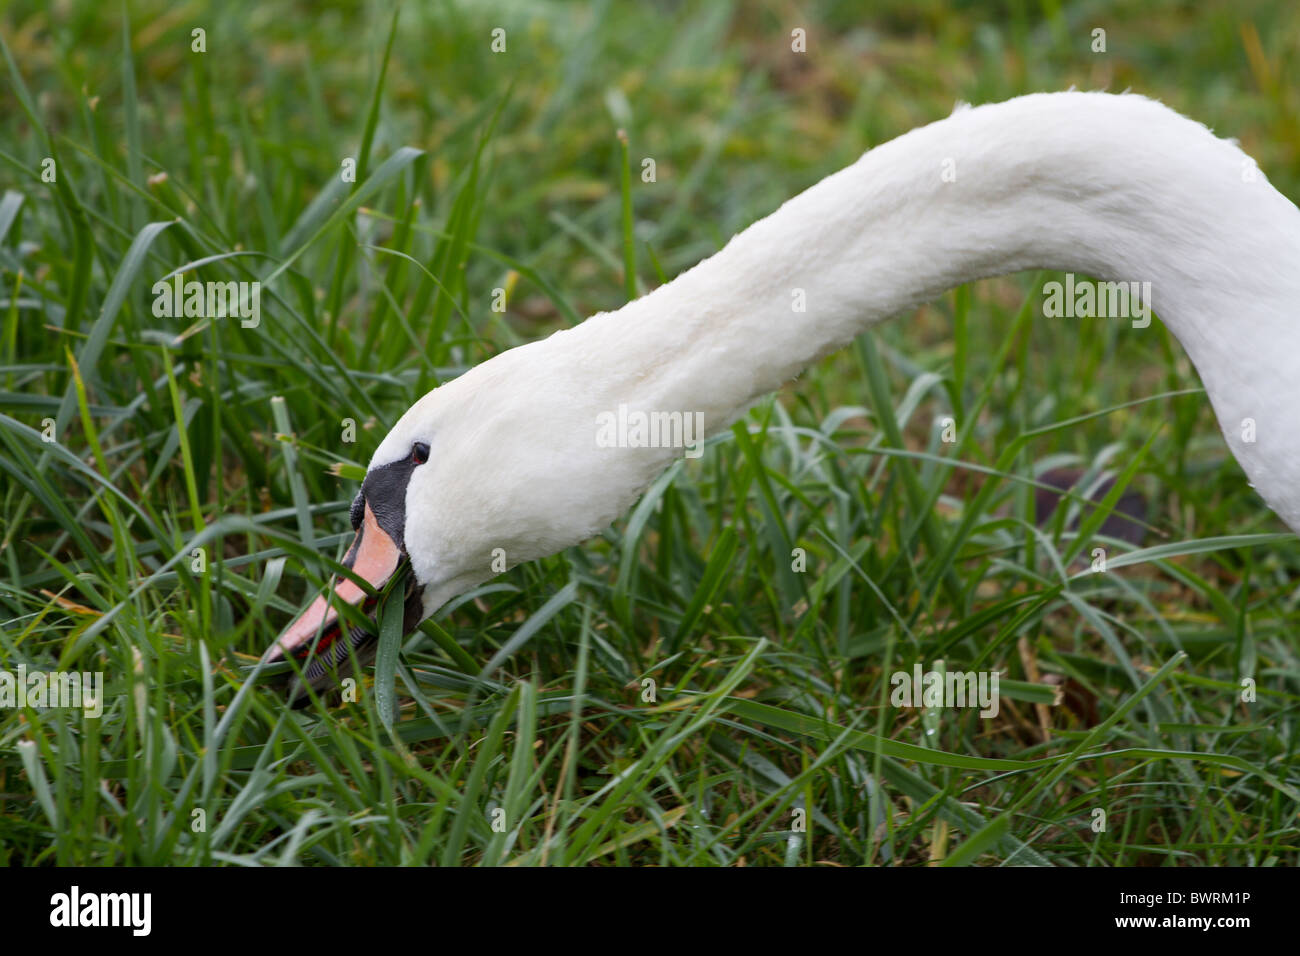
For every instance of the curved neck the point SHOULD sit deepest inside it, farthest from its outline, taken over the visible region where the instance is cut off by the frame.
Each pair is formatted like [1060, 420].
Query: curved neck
[1115, 187]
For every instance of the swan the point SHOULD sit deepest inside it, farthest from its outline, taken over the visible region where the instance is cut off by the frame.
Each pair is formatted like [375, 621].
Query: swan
[506, 460]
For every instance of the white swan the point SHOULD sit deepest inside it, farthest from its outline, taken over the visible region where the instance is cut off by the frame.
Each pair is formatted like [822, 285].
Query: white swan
[1116, 186]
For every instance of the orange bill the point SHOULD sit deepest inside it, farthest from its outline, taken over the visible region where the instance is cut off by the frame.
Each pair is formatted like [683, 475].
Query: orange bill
[375, 557]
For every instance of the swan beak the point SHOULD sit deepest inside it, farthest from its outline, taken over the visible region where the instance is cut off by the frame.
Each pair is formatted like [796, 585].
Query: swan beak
[374, 557]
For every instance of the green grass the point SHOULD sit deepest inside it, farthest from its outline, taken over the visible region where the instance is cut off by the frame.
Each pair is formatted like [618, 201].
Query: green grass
[524, 733]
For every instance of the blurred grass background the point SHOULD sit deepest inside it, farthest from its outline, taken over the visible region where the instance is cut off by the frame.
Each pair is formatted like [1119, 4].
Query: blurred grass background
[771, 685]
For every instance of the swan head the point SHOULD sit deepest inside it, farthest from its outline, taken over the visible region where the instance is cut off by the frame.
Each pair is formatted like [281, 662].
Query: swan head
[320, 638]
[490, 470]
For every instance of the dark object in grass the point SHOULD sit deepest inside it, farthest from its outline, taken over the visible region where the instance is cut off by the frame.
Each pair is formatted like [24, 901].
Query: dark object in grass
[1076, 699]
[1127, 521]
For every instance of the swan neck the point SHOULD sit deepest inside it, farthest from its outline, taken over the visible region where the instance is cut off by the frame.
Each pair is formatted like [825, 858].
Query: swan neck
[1118, 189]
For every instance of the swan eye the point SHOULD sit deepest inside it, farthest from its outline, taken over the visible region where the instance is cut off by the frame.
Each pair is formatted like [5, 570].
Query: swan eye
[358, 511]
[419, 453]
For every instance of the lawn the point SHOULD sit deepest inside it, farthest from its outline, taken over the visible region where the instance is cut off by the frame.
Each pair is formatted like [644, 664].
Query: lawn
[678, 690]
